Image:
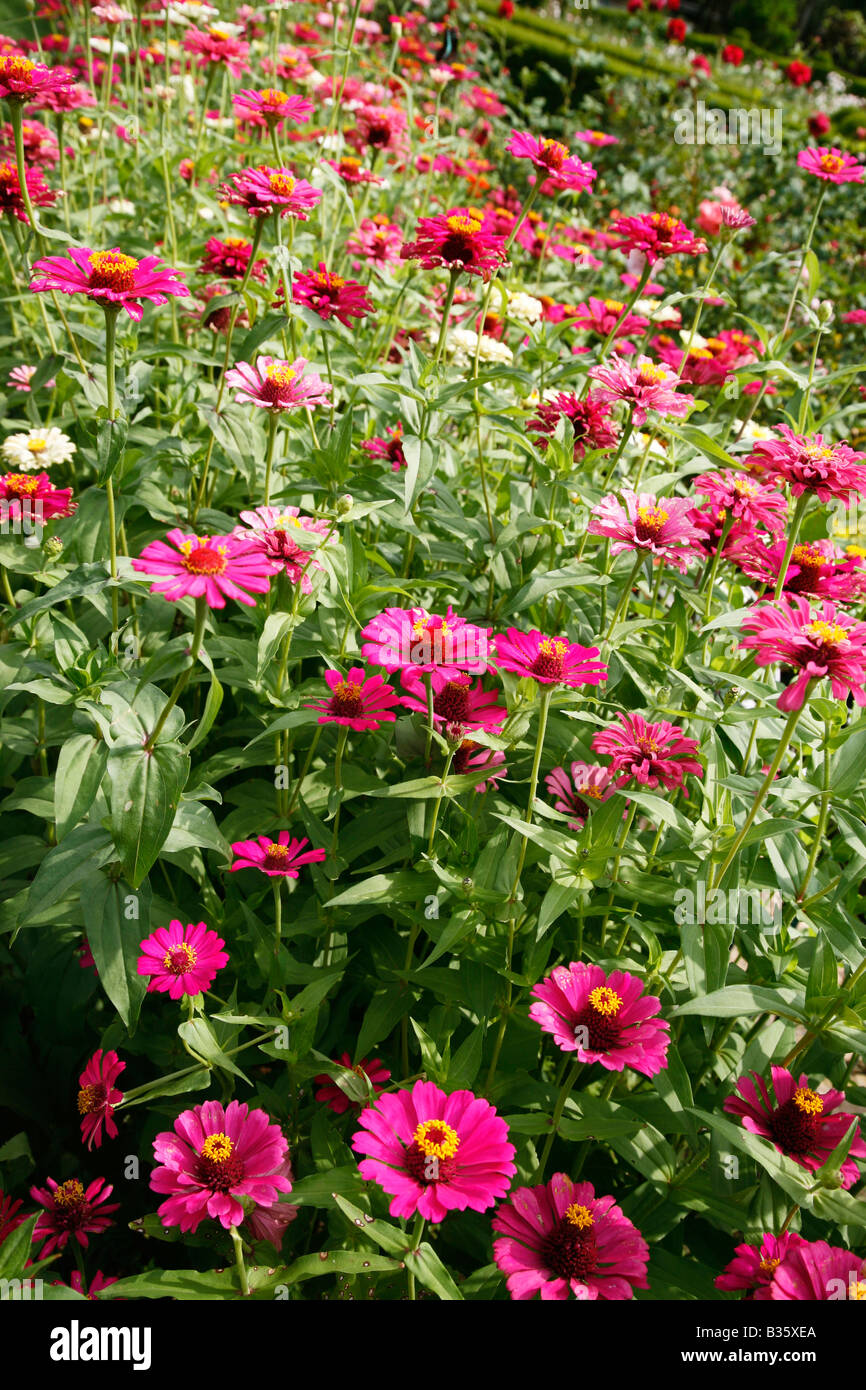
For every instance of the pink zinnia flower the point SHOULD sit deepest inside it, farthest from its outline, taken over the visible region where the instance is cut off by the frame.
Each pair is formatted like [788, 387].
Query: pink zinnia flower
[210, 567]
[377, 240]
[753, 1266]
[596, 138]
[10, 1215]
[817, 568]
[98, 1096]
[357, 700]
[554, 159]
[212, 1159]
[269, 1223]
[659, 525]
[330, 1094]
[434, 1152]
[71, 1210]
[280, 858]
[606, 1019]
[456, 700]
[736, 218]
[753, 502]
[20, 378]
[644, 386]
[648, 753]
[330, 296]
[24, 81]
[832, 165]
[590, 421]
[413, 640]
[266, 190]
[586, 783]
[181, 960]
[602, 316]
[548, 660]
[218, 46]
[274, 106]
[855, 316]
[111, 278]
[352, 171]
[229, 259]
[809, 464]
[818, 643]
[801, 1124]
[657, 235]
[388, 446]
[378, 128]
[487, 763]
[11, 198]
[560, 1239]
[99, 1281]
[277, 385]
[33, 497]
[458, 240]
[814, 1272]
[278, 532]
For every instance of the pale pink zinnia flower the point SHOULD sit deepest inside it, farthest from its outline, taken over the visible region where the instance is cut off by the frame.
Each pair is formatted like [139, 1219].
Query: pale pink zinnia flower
[277, 385]
[210, 567]
[21, 377]
[817, 643]
[98, 1096]
[212, 1159]
[559, 1239]
[650, 754]
[809, 464]
[376, 239]
[801, 1124]
[181, 960]
[644, 386]
[643, 522]
[602, 1018]
[574, 793]
[745, 498]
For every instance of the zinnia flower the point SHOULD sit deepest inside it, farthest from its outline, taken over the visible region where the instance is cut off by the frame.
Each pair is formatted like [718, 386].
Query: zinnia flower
[330, 296]
[274, 106]
[801, 1124]
[31, 497]
[590, 421]
[10, 1215]
[24, 81]
[20, 378]
[330, 1094]
[642, 521]
[554, 159]
[211, 567]
[71, 1210]
[388, 446]
[560, 1239]
[377, 240]
[644, 386]
[276, 858]
[606, 1019]
[212, 1159]
[434, 1152]
[11, 198]
[181, 960]
[412, 640]
[267, 190]
[277, 385]
[111, 278]
[229, 258]
[456, 701]
[98, 1096]
[832, 165]
[357, 700]
[352, 171]
[279, 533]
[41, 447]
[818, 567]
[574, 793]
[817, 643]
[809, 465]
[656, 235]
[548, 660]
[745, 499]
[99, 1281]
[218, 45]
[648, 753]
[457, 240]
[814, 1271]
[753, 1266]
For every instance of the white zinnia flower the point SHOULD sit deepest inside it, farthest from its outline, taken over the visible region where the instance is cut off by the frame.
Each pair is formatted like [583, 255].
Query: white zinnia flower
[525, 307]
[37, 449]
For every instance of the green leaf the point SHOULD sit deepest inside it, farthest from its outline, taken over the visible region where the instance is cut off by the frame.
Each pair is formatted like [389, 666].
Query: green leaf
[736, 1000]
[211, 710]
[64, 867]
[429, 1270]
[198, 1033]
[115, 939]
[15, 1249]
[145, 792]
[80, 769]
[389, 1237]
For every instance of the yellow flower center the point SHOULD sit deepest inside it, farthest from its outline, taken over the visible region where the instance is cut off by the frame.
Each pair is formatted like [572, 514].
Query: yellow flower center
[745, 488]
[203, 558]
[830, 634]
[554, 153]
[179, 960]
[282, 183]
[663, 221]
[613, 306]
[36, 446]
[807, 555]
[652, 516]
[328, 280]
[235, 242]
[69, 1194]
[858, 1290]
[20, 483]
[858, 551]
[579, 1216]
[272, 96]
[553, 646]
[15, 67]
[831, 163]
[112, 270]
[219, 34]
[808, 1101]
[460, 223]
[280, 373]
[605, 1000]
[90, 1098]
[767, 1266]
[348, 161]
[816, 451]
[436, 1139]
[217, 1147]
[651, 375]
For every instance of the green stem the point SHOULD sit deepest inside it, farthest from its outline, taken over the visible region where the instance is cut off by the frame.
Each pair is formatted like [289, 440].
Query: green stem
[183, 679]
[110, 351]
[446, 313]
[622, 606]
[273, 421]
[564, 1093]
[822, 817]
[546, 694]
[239, 1261]
[438, 804]
[799, 512]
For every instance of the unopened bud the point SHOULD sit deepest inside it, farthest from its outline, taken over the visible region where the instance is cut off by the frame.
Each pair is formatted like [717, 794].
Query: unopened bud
[53, 547]
[345, 504]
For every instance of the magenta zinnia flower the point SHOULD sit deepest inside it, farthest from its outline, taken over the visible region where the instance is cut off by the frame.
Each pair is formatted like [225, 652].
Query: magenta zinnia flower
[11, 199]
[211, 567]
[99, 1282]
[832, 165]
[181, 960]
[24, 81]
[548, 660]
[71, 1210]
[458, 240]
[434, 1152]
[33, 497]
[817, 567]
[817, 643]
[606, 1019]
[590, 421]
[266, 190]
[213, 1158]
[330, 1094]
[801, 1123]
[657, 235]
[559, 1238]
[753, 1266]
[98, 1096]
[456, 700]
[279, 533]
[648, 753]
[587, 783]
[814, 1271]
[274, 106]
[377, 240]
[330, 296]
[554, 159]
[753, 502]
[229, 258]
[357, 700]
[10, 1215]
[644, 386]
[660, 525]
[276, 858]
[413, 641]
[277, 385]
[388, 446]
[809, 464]
[111, 278]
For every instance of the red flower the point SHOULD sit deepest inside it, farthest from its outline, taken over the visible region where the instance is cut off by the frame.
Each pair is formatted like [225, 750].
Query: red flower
[506, 9]
[732, 54]
[98, 1096]
[330, 296]
[799, 74]
[71, 1210]
[676, 30]
[819, 124]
